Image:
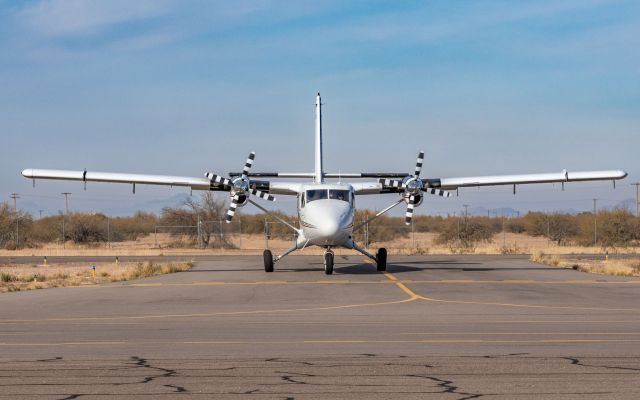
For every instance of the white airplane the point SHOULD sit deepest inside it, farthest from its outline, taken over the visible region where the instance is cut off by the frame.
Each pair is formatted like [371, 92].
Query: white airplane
[326, 210]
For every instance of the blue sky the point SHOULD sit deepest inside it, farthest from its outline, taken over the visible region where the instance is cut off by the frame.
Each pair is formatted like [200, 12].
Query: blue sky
[182, 88]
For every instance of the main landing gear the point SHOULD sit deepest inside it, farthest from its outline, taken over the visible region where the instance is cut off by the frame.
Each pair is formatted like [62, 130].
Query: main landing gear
[381, 259]
[268, 260]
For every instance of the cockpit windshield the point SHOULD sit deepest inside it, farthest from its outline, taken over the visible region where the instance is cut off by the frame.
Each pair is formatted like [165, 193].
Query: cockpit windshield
[338, 194]
[316, 194]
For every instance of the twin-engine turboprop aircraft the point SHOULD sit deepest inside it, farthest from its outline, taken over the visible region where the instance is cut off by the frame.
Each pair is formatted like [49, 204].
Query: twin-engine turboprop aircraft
[326, 210]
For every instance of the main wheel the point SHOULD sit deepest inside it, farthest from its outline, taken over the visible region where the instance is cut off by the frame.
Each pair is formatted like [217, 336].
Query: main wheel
[381, 259]
[328, 263]
[268, 261]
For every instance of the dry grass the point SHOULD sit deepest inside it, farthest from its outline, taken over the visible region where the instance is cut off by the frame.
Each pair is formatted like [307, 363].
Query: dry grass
[420, 243]
[627, 267]
[18, 277]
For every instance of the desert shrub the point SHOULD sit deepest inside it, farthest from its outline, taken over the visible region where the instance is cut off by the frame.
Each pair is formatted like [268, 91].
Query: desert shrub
[8, 220]
[464, 233]
[84, 228]
[209, 211]
[381, 229]
[133, 227]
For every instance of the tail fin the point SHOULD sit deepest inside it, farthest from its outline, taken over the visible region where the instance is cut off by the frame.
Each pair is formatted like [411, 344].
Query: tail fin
[318, 175]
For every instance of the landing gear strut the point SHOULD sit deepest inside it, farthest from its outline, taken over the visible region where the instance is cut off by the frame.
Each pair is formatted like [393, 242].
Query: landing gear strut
[328, 262]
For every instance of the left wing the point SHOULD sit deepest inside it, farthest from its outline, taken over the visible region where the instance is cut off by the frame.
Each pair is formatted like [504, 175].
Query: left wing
[392, 186]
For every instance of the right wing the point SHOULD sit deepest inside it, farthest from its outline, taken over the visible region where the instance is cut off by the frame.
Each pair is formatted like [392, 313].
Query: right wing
[279, 188]
[86, 176]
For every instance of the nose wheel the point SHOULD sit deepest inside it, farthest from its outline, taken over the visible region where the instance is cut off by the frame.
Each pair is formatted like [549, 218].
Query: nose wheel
[328, 262]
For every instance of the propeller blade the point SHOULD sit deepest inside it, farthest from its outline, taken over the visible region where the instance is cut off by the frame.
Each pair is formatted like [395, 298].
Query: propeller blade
[409, 214]
[232, 208]
[262, 195]
[419, 164]
[218, 179]
[390, 183]
[438, 192]
[248, 164]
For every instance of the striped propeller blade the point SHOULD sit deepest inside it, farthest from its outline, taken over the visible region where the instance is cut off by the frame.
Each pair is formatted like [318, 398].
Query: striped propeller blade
[232, 208]
[248, 164]
[262, 195]
[419, 164]
[438, 192]
[409, 214]
[390, 183]
[218, 179]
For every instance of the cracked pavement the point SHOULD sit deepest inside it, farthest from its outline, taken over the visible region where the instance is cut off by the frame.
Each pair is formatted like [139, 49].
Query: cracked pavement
[442, 327]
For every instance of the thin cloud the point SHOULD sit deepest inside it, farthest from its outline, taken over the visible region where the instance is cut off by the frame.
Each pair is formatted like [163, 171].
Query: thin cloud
[57, 18]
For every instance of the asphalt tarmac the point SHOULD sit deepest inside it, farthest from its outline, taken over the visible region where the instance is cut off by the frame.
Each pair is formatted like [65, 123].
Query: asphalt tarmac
[450, 327]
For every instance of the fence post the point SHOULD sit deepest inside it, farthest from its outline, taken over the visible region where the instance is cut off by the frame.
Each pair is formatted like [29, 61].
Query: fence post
[366, 235]
[240, 233]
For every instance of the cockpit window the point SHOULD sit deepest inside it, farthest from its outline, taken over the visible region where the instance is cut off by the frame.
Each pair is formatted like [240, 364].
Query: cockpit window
[337, 194]
[316, 194]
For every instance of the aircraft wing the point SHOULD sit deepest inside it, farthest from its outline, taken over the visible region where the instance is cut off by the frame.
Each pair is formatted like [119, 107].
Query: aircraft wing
[499, 180]
[391, 186]
[90, 176]
[280, 188]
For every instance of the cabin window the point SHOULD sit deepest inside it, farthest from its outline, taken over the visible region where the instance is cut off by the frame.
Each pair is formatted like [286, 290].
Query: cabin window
[338, 194]
[316, 194]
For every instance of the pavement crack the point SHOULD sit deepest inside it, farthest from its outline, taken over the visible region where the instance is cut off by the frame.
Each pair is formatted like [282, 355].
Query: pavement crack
[576, 361]
[289, 379]
[449, 387]
[140, 362]
[277, 359]
[506, 355]
[50, 359]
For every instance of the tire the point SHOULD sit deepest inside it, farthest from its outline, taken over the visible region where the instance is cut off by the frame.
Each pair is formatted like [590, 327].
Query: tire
[328, 263]
[381, 259]
[268, 261]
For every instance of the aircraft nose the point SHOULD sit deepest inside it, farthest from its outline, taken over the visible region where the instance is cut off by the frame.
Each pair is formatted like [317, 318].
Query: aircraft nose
[329, 227]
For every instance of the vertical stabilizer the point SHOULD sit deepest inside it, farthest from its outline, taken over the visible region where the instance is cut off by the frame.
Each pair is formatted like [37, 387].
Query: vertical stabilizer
[318, 176]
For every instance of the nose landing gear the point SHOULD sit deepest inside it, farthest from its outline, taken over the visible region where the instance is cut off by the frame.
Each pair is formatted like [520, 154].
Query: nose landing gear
[328, 262]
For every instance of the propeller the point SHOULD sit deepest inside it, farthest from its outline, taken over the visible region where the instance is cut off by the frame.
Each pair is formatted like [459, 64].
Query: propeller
[413, 188]
[239, 188]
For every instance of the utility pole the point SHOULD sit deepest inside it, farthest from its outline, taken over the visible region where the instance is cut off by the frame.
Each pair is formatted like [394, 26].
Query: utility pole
[40, 211]
[15, 198]
[595, 222]
[636, 184]
[66, 202]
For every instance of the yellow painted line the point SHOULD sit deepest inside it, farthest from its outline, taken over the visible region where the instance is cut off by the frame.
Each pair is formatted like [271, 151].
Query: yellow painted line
[392, 279]
[205, 315]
